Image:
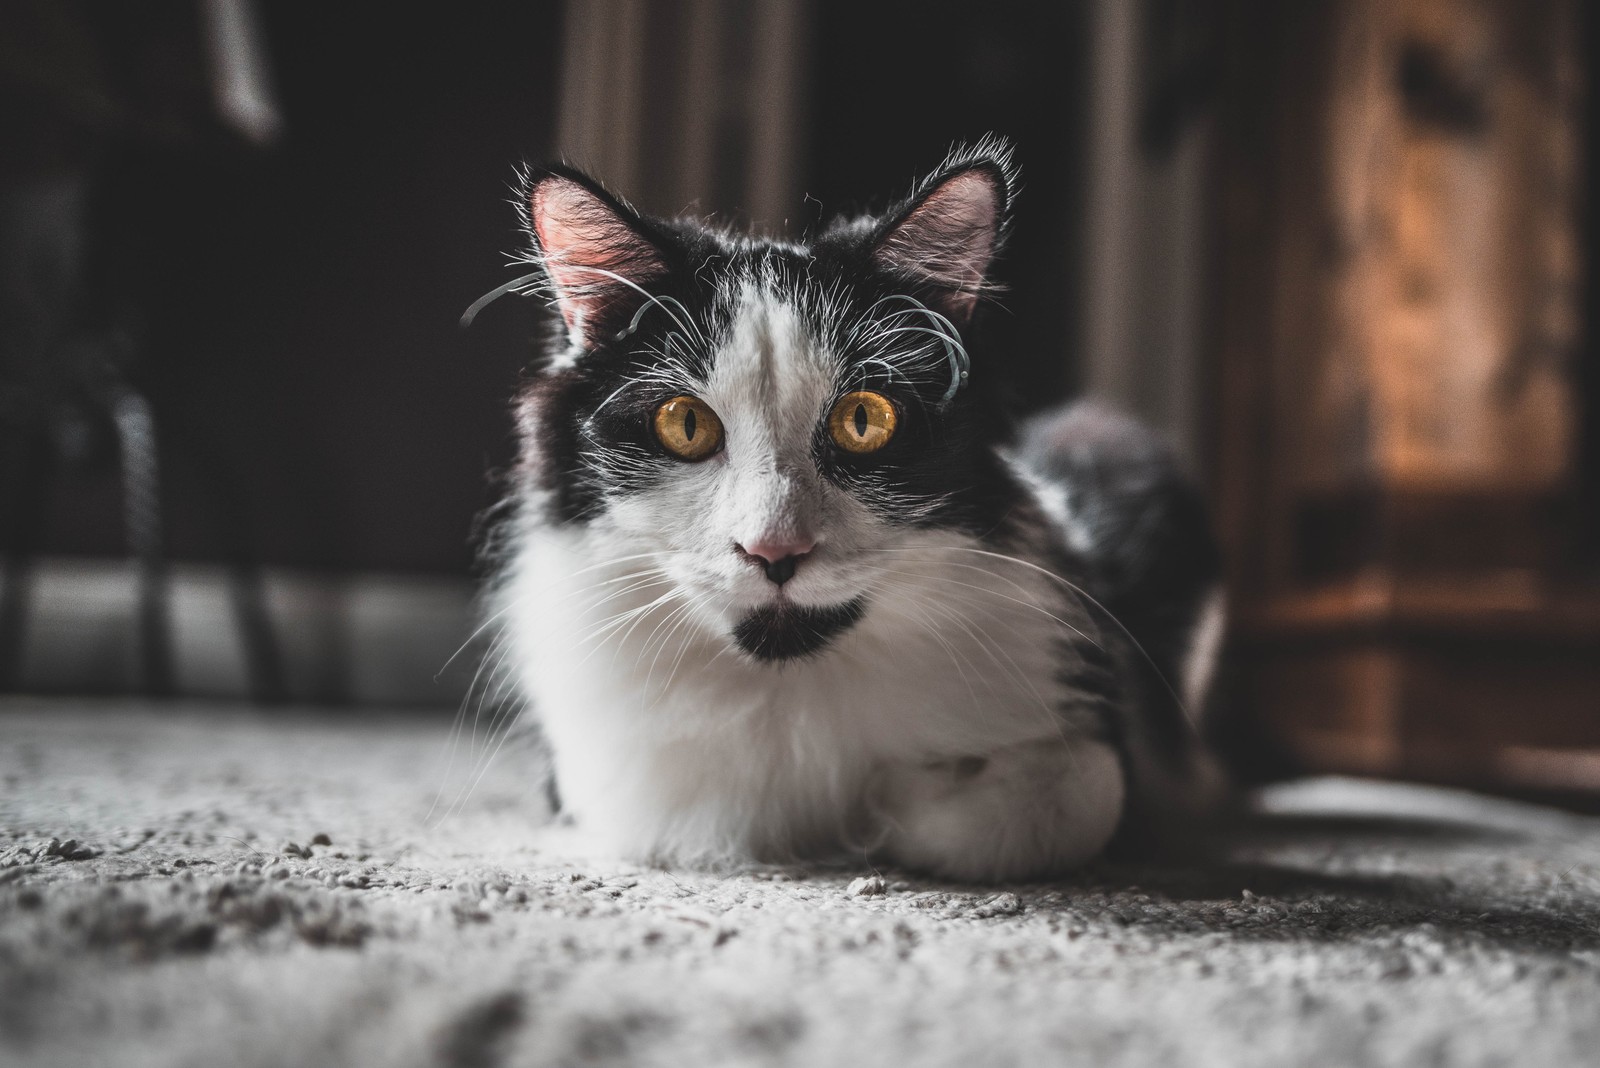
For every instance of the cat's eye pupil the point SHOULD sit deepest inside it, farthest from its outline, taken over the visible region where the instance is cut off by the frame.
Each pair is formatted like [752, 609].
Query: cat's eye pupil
[862, 422]
[688, 429]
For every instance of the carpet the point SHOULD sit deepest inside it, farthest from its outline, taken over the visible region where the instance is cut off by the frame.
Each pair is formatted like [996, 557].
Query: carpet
[197, 885]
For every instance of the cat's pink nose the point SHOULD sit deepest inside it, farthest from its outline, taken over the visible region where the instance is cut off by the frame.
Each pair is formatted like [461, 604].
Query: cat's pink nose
[777, 556]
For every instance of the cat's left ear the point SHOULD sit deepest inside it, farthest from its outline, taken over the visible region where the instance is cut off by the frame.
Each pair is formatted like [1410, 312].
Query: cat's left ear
[945, 236]
[598, 254]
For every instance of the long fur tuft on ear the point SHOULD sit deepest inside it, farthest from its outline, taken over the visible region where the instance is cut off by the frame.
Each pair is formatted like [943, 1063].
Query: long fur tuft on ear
[944, 237]
[593, 248]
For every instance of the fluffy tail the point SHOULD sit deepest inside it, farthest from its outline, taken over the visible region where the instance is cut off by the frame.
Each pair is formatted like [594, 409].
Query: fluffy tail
[1144, 533]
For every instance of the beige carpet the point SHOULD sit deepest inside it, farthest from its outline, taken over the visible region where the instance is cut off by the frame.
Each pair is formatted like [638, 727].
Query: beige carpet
[200, 886]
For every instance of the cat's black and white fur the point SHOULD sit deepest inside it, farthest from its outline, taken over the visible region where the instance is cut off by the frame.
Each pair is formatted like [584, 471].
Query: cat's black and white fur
[790, 650]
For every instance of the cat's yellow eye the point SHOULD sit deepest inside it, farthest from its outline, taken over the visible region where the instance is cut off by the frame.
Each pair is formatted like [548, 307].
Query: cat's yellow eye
[862, 422]
[688, 428]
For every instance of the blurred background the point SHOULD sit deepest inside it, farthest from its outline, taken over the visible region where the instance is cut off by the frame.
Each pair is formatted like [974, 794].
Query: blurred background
[1338, 252]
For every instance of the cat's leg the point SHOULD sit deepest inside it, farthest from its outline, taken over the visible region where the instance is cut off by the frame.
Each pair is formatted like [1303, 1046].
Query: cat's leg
[1020, 812]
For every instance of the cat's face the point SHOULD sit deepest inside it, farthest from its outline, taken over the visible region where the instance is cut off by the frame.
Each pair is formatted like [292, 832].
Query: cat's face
[767, 423]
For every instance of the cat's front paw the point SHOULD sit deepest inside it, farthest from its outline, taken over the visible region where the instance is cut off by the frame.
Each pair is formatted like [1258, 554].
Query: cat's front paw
[1022, 812]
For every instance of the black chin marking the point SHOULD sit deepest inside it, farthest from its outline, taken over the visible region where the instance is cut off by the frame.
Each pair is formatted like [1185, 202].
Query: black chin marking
[786, 631]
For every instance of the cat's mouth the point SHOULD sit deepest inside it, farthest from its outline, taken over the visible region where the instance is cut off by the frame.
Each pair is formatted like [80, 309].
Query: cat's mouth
[784, 630]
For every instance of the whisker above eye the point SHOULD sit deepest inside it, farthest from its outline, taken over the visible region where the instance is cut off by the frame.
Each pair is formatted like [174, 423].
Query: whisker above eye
[941, 329]
[516, 285]
[685, 321]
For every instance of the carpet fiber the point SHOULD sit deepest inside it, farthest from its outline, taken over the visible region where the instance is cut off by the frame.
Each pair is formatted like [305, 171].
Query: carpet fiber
[188, 885]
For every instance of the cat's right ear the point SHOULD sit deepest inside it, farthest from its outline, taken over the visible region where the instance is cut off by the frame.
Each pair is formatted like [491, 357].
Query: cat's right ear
[944, 237]
[593, 248]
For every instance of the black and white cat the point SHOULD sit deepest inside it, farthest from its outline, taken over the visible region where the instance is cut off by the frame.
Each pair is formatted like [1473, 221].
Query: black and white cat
[781, 582]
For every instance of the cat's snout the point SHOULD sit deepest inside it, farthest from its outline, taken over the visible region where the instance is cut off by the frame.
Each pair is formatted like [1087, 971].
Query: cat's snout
[778, 557]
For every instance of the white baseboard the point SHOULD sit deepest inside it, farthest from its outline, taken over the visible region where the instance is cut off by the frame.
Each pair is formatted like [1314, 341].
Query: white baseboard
[365, 638]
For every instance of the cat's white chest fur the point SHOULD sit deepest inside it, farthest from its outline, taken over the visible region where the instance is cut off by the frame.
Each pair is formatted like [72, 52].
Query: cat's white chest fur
[936, 729]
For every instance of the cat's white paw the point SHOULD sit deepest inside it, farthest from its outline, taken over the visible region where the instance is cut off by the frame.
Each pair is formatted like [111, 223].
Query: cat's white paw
[1021, 812]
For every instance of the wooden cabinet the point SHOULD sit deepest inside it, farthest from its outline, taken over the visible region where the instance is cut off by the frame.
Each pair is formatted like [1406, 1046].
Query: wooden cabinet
[1400, 392]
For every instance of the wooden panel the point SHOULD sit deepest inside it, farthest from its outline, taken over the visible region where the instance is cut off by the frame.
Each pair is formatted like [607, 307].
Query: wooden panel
[1400, 333]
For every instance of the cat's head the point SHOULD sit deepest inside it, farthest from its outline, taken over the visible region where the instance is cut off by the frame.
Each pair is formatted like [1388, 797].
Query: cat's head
[759, 419]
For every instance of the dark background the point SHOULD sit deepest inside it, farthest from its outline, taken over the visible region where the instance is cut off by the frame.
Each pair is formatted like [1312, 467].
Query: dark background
[291, 310]
[294, 307]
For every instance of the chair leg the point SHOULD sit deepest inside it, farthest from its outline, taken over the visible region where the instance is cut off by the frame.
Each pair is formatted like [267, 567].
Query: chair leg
[263, 659]
[24, 491]
[230, 524]
[141, 489]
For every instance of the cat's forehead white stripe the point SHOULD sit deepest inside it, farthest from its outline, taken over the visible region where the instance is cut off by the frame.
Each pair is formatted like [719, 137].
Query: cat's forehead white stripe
[772, 378]
[771, 381]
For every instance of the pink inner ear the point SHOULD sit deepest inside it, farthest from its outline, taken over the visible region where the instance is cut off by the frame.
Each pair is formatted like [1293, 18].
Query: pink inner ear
[949, 239]
[586, 247]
